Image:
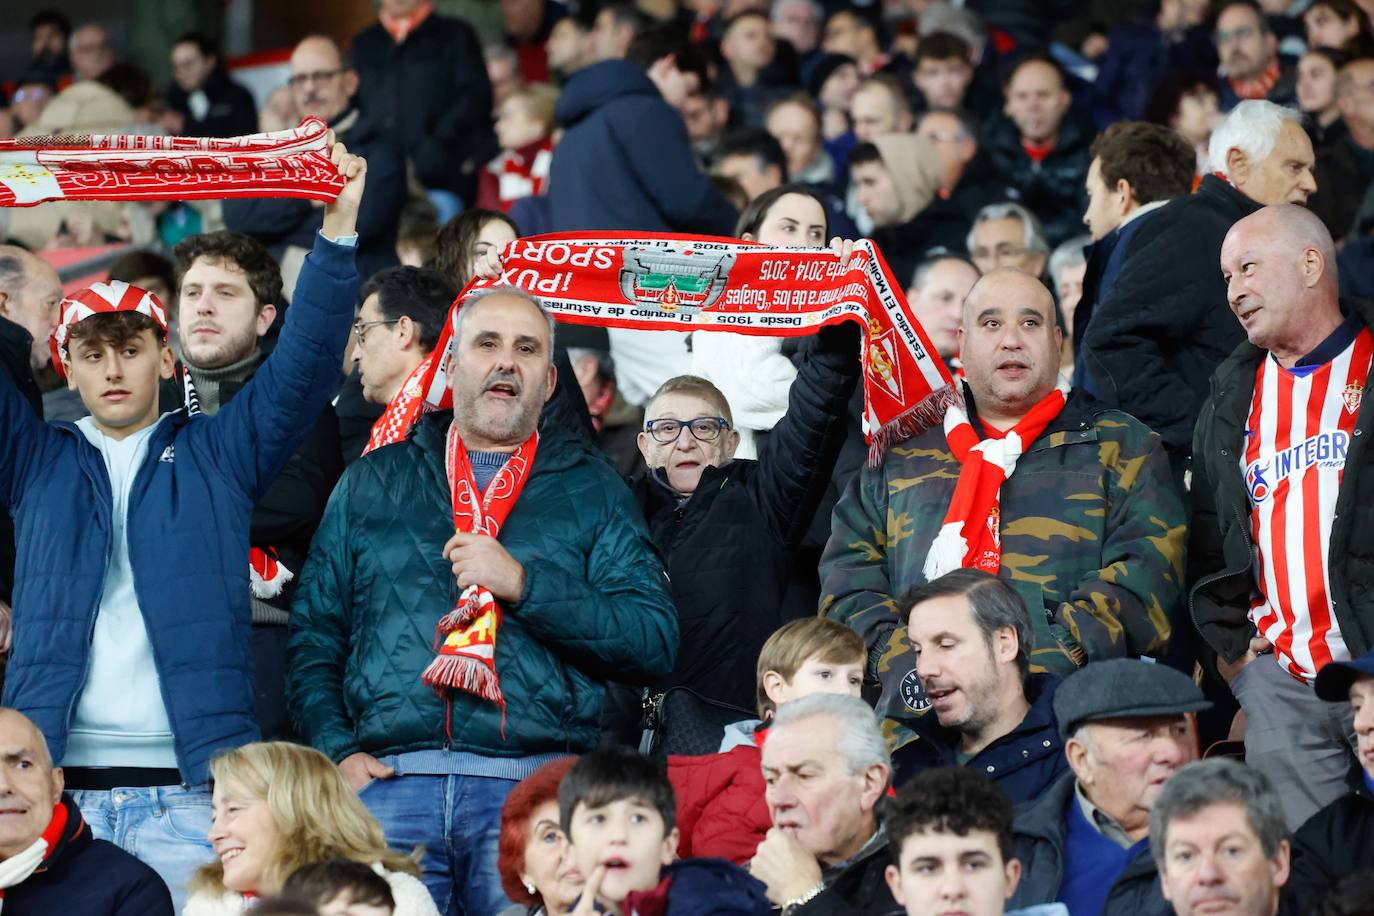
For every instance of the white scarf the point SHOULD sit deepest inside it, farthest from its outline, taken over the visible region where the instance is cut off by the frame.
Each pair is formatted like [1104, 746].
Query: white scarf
[17, 869]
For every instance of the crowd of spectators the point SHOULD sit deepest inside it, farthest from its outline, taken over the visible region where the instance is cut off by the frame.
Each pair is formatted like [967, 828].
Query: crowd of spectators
[744, 665]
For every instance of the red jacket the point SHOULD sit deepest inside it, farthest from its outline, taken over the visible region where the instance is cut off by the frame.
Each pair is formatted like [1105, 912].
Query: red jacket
[721, 810]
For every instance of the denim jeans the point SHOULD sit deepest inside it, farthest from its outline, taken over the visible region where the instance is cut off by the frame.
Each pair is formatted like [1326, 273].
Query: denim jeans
[164, 826]
[458, 821]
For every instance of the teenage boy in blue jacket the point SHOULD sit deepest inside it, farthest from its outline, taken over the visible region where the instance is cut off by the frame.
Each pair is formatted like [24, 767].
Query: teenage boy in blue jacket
[131, 648]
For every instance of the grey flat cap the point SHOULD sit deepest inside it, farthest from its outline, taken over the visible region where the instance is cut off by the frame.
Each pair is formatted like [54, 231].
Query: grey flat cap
[1124, 688]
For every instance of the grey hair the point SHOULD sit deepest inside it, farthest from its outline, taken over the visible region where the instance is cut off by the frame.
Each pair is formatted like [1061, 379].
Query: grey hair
[861, 740]
[922, 272]
[1069, 254]
[813, 5]
[11, 268]
[1219, 781]
[1032, 233]
[994, 603]
[1252, 127]
[513, 291]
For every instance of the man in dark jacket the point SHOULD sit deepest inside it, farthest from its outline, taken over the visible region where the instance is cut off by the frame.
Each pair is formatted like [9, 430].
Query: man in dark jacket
[1339, 839]
[322, 85]
[728, 528]
[1249, 54]
[1345, 166]
[424, 84]
[209, 102]
[50, 861]
[227, 290]
[1039, 145]
[133, 528]
[580, 589]
[972, 638]
[1156, 338]
[1279, 547]
[1085, 841]
[827, 768]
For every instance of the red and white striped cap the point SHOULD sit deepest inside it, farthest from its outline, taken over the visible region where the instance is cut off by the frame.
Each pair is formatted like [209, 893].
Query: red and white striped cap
[101, 299]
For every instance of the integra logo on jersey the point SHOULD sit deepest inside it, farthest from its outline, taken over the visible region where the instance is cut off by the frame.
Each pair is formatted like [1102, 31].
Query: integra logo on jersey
[1324, 450]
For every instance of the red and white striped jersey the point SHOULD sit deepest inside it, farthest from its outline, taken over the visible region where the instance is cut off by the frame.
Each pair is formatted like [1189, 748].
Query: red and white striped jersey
[1297, 436]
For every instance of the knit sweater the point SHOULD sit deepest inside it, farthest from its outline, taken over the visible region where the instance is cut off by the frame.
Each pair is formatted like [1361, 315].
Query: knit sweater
[412, 899]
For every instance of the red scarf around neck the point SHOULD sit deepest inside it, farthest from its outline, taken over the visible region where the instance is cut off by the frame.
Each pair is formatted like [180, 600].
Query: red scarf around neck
[402, 410]
[1259, 87]
[18, 868]
[465, 638]
[970, 535]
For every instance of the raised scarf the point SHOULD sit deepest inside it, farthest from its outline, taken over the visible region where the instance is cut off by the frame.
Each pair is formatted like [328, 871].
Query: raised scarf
[402, 410]
[654, 281]
[400, 27]
[465, 637]
[285, 163]
[17, 868]
[970, 536]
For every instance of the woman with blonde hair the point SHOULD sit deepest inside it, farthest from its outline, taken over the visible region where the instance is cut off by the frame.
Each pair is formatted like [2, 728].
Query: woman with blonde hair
[278, 806]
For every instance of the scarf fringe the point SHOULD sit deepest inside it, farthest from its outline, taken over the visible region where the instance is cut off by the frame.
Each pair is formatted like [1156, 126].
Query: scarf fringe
[457, 672]
[916, 419]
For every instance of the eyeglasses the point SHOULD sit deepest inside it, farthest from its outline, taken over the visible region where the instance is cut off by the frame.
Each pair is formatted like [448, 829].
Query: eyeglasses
[703, 429]
[1240, 34]
[360, 328]
[319, 76]
[1000, 253]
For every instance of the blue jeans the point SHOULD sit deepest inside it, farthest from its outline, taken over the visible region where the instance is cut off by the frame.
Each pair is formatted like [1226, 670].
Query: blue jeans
[165, 826]
[458, 821]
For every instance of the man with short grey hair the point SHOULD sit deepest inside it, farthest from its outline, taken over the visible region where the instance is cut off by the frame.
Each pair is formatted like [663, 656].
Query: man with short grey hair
[826, 767]
[1085, 841]
[550, 590]
[1218, 837]
[1164, 328]
[972, 638]
[1008, 235]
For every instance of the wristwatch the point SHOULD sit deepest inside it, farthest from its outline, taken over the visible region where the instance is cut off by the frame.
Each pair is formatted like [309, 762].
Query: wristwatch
[798, 902]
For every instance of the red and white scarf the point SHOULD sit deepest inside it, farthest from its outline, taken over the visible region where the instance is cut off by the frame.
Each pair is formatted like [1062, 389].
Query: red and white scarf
[402, 410]
[465, 638]
[970, 536]
[286, 163]
[19, 867]
[517, 174]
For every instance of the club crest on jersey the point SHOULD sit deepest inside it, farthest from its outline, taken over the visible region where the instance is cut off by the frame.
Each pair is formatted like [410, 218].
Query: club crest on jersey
[1352, 394]
[1324, 450]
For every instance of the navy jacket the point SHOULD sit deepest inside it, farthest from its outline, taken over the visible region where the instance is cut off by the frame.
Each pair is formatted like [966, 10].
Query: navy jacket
[84, 876]
[1024, 762]
[625, 161]
[188, 521]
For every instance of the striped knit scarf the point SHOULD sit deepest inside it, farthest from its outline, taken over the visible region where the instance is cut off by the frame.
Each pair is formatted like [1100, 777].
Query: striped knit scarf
[971, 533]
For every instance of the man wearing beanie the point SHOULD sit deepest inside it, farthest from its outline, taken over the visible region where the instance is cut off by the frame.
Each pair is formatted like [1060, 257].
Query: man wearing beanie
[1086, 842]
[895, 177]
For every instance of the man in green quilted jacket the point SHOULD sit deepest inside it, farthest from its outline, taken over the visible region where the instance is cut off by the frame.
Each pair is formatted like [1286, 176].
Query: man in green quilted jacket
[1086, 523]
[554, 584]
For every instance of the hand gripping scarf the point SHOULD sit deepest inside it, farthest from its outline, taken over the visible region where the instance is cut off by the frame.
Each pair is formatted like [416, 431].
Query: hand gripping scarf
[465, 638]
[970, 536]
[682, 283]
[17, 868]
[287, 163]
[402, 410]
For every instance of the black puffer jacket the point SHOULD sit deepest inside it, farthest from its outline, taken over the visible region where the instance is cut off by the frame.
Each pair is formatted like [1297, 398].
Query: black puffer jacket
[1336, 841]
[1165, 326]
[1053, 187]
[729, 547]
[1038, 838]
[15, 347]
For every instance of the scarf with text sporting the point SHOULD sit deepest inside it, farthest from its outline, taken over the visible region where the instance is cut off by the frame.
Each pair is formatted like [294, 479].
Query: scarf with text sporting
[17, 868]
[402, 410]
[970, 536]
[285, 163]
[654, 281]
[465, 638]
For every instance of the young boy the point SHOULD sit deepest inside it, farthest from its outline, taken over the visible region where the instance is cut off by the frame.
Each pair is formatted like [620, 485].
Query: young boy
[949, 829]
[616, 806]
[131, 648]
[721, 810]
[339, 887]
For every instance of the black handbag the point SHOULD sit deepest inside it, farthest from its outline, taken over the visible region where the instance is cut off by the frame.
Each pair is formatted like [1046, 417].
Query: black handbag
[682, 721]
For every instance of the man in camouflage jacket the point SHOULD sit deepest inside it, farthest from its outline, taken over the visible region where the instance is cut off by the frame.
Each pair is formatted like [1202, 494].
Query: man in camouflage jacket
[1092, 529]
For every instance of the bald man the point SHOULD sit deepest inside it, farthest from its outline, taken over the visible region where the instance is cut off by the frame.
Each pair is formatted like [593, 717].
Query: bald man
[324, 86]
[1085, 526]
[1283, 519]
[49, 863]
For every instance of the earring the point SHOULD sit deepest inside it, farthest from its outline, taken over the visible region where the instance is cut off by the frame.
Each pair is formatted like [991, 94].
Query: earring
[529, 888]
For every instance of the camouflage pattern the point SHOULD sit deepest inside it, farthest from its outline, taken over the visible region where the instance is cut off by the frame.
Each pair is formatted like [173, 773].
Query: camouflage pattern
[1092, 537]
